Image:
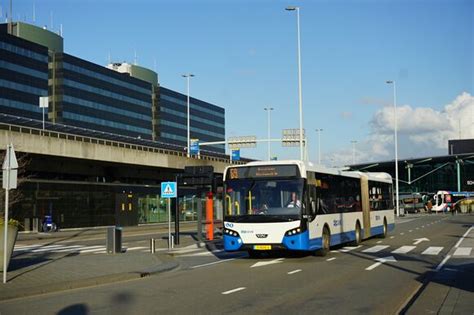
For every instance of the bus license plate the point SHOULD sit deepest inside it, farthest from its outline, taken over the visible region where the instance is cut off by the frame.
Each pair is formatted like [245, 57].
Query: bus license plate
[262, 247]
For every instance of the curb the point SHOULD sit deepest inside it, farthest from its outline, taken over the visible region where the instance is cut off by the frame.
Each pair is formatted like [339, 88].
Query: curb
[87, 282]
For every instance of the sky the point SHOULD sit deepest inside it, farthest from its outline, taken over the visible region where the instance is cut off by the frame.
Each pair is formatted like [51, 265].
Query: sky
[244, 58]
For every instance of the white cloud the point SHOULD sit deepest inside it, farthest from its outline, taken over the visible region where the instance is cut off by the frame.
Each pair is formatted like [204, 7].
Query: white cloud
[422, 131]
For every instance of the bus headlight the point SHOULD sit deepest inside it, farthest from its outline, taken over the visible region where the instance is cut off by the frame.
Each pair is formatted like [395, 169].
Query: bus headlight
[293, 231]
[231, 232]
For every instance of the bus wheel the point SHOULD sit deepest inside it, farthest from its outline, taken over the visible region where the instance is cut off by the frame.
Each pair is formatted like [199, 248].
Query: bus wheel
[357, 239]
[326, 241]
[384, 231]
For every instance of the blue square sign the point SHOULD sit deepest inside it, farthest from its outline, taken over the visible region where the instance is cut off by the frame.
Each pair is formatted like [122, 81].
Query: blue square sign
[169, 190]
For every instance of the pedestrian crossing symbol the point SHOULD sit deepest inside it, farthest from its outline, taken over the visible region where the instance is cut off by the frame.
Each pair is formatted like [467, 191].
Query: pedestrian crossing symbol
[168, 190]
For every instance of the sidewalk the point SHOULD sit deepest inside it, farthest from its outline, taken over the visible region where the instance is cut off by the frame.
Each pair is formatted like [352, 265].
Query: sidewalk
[46, 273]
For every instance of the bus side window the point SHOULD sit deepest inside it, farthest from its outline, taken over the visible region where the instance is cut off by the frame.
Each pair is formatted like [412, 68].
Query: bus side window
[312, 200]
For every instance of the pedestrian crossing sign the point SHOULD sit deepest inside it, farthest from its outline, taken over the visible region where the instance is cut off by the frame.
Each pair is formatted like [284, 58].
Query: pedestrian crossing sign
[169, 190]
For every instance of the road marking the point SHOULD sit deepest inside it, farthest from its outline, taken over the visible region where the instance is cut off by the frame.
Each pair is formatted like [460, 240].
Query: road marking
[381, 261]
[391, 237]
[379, 242]
[463, 251]
[234, 290]
[331, 259]
[410, 231]
[213, 263]
[91, 250]
[432, 250]
[266, 263]
[346, 249]
[135, 248]
[402, 233]
[417, 228]
[72, 249]
[442, 263]
[294, 271]
[419, 240]
[51, 248]
[403, 249]
[375, 249]
[462, 238]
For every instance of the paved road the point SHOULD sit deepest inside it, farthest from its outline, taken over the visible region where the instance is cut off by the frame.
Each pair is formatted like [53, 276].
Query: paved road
[413, 265]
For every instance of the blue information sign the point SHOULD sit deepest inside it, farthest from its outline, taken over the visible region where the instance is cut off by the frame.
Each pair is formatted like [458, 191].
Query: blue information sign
[194, 150]
[236, 155]
[169, 190]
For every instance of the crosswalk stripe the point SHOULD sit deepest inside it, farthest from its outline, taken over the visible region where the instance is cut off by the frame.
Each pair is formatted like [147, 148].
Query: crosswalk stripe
[403, 249]
[349, 248]
[47, 249]
[463, 251]
[375, 249]
[432, 250]
[73, 248]
[135, 248]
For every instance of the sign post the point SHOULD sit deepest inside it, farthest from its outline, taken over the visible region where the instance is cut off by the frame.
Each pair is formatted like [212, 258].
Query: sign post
[43, 104]
[169, 190]
[10, 166]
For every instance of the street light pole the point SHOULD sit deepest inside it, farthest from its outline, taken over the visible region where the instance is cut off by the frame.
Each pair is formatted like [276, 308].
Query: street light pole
[300, 97]
[268, 109]
[188, 153]
[353, 151]
[396, 145]
[319, 144]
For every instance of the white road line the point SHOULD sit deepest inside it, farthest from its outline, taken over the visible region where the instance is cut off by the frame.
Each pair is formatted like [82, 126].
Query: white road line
[50, 249]
[331, 259]
[213, 263]
[294, 271]
[91, 250]
[135, 248]
[346, 249]
[432, 250]
[442, 263]
[403, 249]
[402, 233]
[373, 266]
[375, 249]
[234, 290]
[462, 251]
[378, 242]
[462, 238]
[69, 249]
[410, 231]
[391, 237]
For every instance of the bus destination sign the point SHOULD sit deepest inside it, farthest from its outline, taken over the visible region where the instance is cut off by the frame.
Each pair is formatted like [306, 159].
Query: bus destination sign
[278, 171]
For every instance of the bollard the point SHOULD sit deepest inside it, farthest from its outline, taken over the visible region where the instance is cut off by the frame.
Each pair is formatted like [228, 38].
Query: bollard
[152, 245]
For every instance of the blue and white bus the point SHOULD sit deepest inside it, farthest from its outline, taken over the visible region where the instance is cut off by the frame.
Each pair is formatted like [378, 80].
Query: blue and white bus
[294, 205]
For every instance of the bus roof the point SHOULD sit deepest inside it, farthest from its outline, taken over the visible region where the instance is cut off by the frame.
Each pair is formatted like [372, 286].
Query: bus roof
[309, 166]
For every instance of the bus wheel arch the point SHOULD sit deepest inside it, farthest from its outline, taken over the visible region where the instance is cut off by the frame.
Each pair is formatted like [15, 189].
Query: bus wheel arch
[358, 234]
[325, 242]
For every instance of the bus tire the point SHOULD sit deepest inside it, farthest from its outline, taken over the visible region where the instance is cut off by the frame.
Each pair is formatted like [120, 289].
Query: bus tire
[384, 229]
[358, 237]
[326, 241]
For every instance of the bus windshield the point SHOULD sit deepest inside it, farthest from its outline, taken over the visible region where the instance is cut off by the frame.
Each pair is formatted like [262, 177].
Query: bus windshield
[270, 200]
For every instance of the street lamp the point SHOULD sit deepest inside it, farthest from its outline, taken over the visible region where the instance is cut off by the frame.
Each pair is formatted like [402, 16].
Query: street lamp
[353, 151]
[268, 109]
[396, 145]
[188, 76]
[319, 144]
[300, 97]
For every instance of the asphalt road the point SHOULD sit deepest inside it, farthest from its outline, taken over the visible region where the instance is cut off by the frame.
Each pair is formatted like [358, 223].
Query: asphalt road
[379, 277]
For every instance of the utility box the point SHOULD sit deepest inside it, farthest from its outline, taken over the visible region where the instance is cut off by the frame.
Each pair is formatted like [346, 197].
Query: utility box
[114, 240]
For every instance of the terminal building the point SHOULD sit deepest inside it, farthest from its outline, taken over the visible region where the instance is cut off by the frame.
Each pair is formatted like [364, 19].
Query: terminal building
[119, 99]
[452, 172]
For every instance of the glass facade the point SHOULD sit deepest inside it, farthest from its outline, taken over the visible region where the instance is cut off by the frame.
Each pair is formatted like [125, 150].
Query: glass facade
[207, 121]
[430, 174]
[94, 97]
[23, 76]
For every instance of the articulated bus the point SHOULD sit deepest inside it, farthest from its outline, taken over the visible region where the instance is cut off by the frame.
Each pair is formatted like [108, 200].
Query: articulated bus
[444, 200]
[294, 205]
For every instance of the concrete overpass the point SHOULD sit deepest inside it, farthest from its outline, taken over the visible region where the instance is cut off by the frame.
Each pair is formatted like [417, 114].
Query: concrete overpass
[54, 143]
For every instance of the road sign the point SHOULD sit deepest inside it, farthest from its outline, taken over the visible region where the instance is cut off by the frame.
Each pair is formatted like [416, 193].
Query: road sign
[10, 166]
[236, 155]
[43, 102]
[291, 137]
[169, 190]
[242, 142]
[194, 150]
